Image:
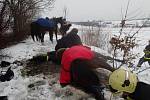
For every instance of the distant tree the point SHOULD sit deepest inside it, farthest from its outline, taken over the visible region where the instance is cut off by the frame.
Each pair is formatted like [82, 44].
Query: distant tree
[4, 16]
[16, 15]
[20, 12]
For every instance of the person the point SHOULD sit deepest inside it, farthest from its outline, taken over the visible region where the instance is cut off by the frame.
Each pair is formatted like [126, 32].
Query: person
[67, 41]
[122, 80]
[70, 39]
[146, 56]
[77, 70]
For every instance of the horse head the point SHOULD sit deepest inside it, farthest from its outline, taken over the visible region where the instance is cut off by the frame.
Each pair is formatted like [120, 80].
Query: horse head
[60, 20]
[64, 28]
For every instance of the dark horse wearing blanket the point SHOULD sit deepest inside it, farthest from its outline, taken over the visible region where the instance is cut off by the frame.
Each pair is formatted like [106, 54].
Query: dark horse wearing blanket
[42, 25]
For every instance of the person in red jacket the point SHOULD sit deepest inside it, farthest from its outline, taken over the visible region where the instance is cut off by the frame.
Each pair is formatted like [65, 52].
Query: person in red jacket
[69, 55]
[76, 70]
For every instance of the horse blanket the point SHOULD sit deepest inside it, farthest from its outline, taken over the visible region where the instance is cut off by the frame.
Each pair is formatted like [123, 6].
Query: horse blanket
[49, 23]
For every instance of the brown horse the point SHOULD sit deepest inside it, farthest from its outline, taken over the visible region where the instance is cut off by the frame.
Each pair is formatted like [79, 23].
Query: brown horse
[78, 68]
[42, 25]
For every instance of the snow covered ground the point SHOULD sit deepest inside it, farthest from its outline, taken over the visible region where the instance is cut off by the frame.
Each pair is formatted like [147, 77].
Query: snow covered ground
[17, 88]
[37, 87]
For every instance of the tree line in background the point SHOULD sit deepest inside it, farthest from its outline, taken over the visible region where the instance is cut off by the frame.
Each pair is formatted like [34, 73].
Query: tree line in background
[16, 15]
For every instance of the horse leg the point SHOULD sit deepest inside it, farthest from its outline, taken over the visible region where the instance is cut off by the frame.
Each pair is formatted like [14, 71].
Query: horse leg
[32, 35]
[51, 36]
[32, 30]
[56, 34]
[38, 35]
[42, 37]
[38, 32]
[37, 38]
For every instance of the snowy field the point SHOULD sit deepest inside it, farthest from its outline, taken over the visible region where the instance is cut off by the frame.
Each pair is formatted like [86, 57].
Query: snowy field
[16, 89]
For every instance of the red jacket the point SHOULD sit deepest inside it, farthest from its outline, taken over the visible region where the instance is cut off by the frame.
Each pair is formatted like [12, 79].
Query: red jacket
[68, 56]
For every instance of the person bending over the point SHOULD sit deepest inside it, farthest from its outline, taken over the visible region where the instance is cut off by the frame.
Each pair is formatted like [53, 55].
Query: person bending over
[125, 81]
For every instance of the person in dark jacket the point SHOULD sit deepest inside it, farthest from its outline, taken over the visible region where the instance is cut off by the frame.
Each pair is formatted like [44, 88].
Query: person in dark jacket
[125, 81]
[146, 56]
[69, 40]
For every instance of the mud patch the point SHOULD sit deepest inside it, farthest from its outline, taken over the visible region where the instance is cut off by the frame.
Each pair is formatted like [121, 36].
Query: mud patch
[46, 68]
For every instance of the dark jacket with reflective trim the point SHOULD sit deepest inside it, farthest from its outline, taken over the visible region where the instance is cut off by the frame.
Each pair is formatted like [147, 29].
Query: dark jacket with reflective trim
[142, 92]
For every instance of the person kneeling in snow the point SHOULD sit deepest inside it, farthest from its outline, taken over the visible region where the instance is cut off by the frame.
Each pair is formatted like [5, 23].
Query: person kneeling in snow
[125, 81]
[146, 57]
[78, 70]
[67, 41]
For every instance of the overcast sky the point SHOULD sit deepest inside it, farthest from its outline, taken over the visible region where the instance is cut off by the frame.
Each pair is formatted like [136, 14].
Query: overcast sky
[83, 10]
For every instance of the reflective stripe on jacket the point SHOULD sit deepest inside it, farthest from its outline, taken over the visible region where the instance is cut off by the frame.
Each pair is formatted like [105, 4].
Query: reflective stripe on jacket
[147, 58]
[75, 52]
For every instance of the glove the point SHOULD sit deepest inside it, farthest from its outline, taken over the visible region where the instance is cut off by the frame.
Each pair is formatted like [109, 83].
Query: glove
[126, 97]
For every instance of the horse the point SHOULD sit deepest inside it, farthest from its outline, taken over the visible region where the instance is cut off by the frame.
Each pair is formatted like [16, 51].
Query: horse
[64, 28]
[39, 27]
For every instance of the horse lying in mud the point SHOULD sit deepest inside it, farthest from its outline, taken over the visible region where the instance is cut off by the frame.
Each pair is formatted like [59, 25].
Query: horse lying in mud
[78, 68]
[79, 65]
[81, 71]
[41, 26]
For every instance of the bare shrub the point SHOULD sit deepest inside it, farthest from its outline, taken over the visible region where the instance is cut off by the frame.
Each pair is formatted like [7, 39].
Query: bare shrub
[4, 16]
[16, 15]
[95, 36]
